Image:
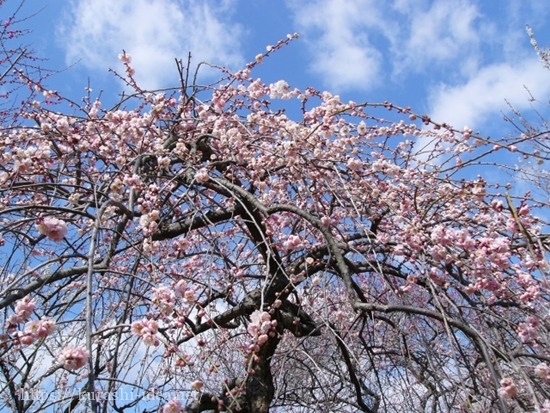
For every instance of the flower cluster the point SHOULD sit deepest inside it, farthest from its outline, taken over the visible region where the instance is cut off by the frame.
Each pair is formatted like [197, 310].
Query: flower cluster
[508, 389]
[173, 406]
[23, 311]
[543, 371]
[164, 299]
[148, 222]
[197, 385]
[281, 90]
[53, 228]
[527, 330]
[147, 330]
[202, 176]
[260, 328]
[188, 294]
[73, 358]
[293, 242]
[126, 59]
[36, 329]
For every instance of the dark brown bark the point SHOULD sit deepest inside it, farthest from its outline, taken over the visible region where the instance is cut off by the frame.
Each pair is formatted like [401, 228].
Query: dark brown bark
[259, 385]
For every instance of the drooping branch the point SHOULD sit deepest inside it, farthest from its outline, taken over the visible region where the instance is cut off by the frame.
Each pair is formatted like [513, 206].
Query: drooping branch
[355, 380]
[470, 332]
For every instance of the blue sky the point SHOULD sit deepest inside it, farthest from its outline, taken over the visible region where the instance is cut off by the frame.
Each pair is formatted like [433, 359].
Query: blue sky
[457, 60]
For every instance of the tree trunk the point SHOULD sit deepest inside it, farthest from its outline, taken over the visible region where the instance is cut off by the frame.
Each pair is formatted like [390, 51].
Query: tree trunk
[259, 385]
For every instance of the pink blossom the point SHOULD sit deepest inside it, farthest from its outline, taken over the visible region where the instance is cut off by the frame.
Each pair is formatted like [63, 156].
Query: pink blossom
[293, 242]
[150, 339]
[391, 202]
[24, 308]
[73, 358]
[155, 213]
[125, 58]
[48, 94]
[479, 189]
[164, 298]
[53, 228]
[24, 338]
[148, 223]
[180, 287]
[354, 164]
[524, 279]
[145, 325]
[512, 225]
[497, 205]
[132, 180]
[164, 162]
[40, 328]
[62, 125]
[189, 295]
[542, 370]
[280, 89]
[197, 385]
[527, 331]
[146, 329]
[202, 176]
[530, 294]
[173, 406]
[362, 128]
[262, 339]
[260, 325]
[533, 321]
[508, 389]
[524, 210]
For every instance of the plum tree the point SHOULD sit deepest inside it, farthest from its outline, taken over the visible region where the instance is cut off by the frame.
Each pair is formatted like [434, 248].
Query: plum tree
[16, 58]
[199, 249]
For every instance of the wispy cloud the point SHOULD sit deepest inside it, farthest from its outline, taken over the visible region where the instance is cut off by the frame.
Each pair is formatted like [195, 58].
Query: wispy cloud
[338, 34]
[153, 32]
[363, 44]
[484, 94]
[358, 45]
[438, 33]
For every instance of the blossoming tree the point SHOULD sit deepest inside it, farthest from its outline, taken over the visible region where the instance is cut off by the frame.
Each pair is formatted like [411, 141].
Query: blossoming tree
[199, 249]
[531, 130]
[15, 59]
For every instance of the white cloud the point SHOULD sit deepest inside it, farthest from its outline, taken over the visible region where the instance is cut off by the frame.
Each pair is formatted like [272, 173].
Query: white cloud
[356, 45]
[441, 33]
[483, 95]
[153, 33]
[336, 32]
